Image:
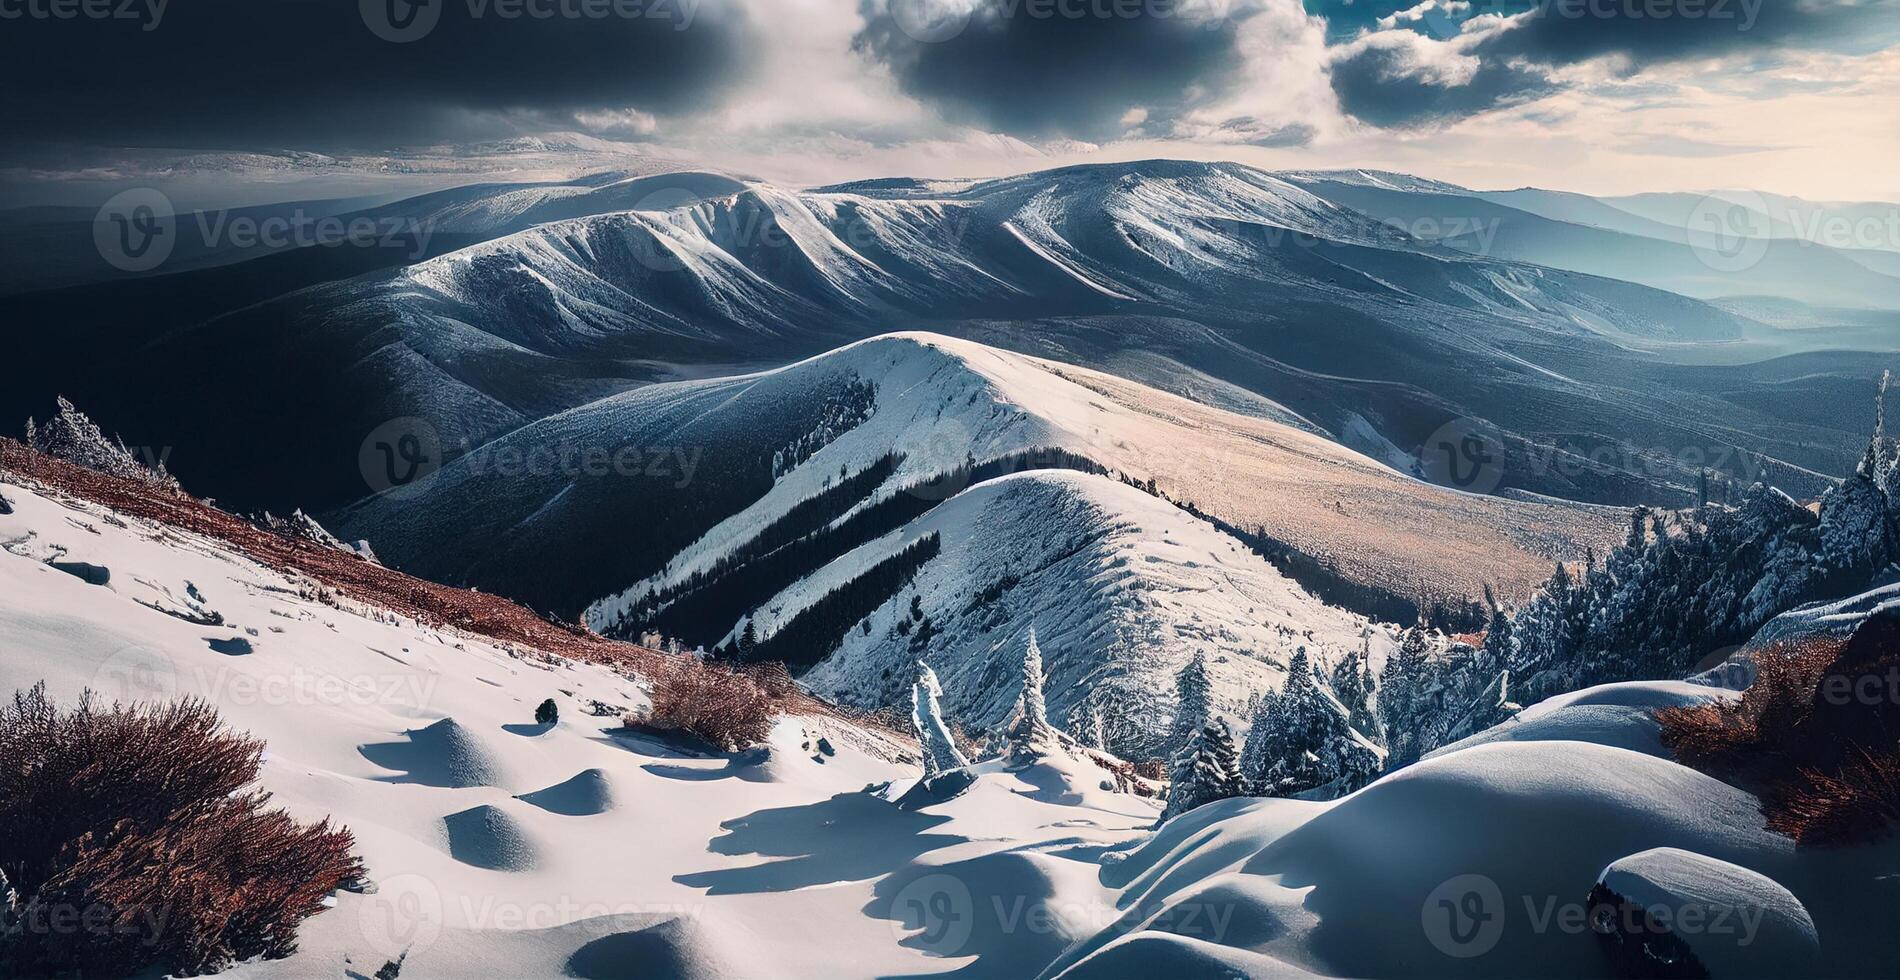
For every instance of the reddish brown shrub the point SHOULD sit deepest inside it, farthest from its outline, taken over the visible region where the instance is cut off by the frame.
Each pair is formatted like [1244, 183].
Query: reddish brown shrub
[1817, 736]
[1729, 736]
[774, 679]
[714, 702]
[133, 843]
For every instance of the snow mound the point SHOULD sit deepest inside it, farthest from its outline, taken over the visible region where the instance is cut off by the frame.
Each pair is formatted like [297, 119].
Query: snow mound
[1617, 715]
[1736, 922]
[1831, 619]
[1162, 954]
[1527, 827]
[976, 907]
[676, 949]
[446, 754]
[586, 794]
[487, 837]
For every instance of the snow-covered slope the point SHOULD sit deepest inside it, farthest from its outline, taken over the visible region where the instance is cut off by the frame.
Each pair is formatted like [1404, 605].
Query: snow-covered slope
[498, 847]
[563, 536]
[1121, 589]
[503, 848]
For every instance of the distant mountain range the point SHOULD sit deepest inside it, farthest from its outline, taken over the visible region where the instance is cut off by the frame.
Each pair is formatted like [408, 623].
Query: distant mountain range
[1270, 295]
[574, 394]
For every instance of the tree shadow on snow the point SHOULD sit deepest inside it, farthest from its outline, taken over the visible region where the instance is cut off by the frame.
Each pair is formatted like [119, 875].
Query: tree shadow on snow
[998, 908]
[1050, 785]
[654, 744]
[748, 766]
[527, 730]
[850, 837]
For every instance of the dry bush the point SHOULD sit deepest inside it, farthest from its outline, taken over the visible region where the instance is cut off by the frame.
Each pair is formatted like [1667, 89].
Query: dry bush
[133, 843]
[1729, 736]
[1817, 736]
[774, 679]
[714, 702]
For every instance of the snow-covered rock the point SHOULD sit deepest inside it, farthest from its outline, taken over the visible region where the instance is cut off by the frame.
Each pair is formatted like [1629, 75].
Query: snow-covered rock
[1735, 922]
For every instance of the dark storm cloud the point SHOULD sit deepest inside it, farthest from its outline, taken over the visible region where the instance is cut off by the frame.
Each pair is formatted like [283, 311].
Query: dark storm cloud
[1563, 32]
[1379, 84]
[1041, 68]
[320, 73]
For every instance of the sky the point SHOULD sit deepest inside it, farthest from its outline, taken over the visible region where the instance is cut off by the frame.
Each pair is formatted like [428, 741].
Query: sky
[1798, 97]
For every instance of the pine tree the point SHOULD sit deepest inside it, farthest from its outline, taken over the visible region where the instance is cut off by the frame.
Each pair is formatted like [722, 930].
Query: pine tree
[1679, 587]
[548, 713]
[1401, 697]
[1352, 685]
[1029, 731]
[939, 748]
[1211, 772]
[1264, 739]
[71, 436]
[1192, 704]
[1283, 747]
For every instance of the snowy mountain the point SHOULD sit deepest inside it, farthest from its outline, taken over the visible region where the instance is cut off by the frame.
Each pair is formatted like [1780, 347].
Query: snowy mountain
[853, 445]
[1218, 282]
[453, 195]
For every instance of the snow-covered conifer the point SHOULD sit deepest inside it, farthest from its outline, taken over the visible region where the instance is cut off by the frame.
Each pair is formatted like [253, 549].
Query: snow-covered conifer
[1029, 731]
[939, 749]
[1192, 704]
[1211, 771]
[71, 436]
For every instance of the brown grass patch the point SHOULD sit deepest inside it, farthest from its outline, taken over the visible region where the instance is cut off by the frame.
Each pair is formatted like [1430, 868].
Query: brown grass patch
[1817, 736]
